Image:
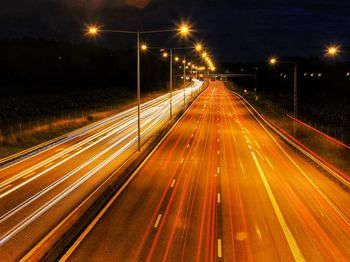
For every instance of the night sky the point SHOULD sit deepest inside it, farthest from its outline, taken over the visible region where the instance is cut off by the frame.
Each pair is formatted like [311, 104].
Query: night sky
[240, 30]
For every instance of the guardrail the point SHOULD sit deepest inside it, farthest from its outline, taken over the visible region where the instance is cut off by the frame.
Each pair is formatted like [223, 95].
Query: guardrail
[341, 177]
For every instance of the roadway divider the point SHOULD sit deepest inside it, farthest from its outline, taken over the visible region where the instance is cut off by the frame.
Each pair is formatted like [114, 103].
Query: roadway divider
[334, 172]
[59, 239]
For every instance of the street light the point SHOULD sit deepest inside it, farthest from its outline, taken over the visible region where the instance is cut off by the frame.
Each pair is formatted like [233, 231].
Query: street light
[94, 30]
[144, 47]
[332, 50]
[165, 55]
[274, 61]
[199, 47]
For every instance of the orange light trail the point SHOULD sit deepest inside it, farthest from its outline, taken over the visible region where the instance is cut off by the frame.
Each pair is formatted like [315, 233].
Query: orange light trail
[320, 132]
[345, 176]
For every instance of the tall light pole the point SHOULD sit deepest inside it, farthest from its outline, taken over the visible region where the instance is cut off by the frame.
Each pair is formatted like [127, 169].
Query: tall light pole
[171, 78]
[274, 61]
[94, 31]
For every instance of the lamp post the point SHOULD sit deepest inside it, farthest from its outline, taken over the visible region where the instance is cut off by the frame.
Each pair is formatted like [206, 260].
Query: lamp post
[197, 47]
[94, 31]
[274, 61]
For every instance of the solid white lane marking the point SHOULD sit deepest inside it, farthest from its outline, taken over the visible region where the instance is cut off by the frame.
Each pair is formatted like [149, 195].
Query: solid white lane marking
[30, 174]
[219, 248]
[5, 187]
[173, 183]
[219, 198]
[156, 224]
[298, 256]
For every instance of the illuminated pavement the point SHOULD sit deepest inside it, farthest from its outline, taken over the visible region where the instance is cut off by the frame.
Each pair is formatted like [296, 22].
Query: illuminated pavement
[221, 187]
[37, 192]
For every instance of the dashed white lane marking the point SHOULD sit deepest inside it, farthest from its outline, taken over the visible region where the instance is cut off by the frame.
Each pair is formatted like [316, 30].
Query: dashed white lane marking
[173, 183]
[218, 152]
[249, 146]
[241, 165]
[219, 248]
[218, 170]
[218, 140]
[258, 232]
[30, 174]
[182, 160]
[268, 161]
[188, 146]
[4, 188]
[191, 135]
[60, 149]
[260, 155]
[156, 224]
[219, 198]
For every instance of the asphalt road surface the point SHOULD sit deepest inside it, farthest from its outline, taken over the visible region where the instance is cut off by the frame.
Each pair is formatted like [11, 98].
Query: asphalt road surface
[39, 191]
[222, 187]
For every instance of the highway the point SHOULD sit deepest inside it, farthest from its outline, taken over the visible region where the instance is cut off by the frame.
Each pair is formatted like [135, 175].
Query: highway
[39, 190]
[222, 187]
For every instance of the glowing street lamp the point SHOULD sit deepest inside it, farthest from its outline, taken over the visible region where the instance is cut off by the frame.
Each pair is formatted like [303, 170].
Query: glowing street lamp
[332, 51]
[273, 61]
[94, 30]
[184, 29]
[144, 47]
[199, 47]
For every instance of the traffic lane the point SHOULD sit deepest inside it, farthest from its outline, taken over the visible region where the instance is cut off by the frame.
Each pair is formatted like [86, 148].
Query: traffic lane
[176, 234]
[95, 184]
[41, 224]
[67, 183]
[113, 139]
[250, 231]
[35, 181]
[320, 229]
[27, 162]
[135, 212]
[84, 145]
[84, 136]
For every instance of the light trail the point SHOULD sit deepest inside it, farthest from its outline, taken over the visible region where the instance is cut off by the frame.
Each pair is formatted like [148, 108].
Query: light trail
[122, 133]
